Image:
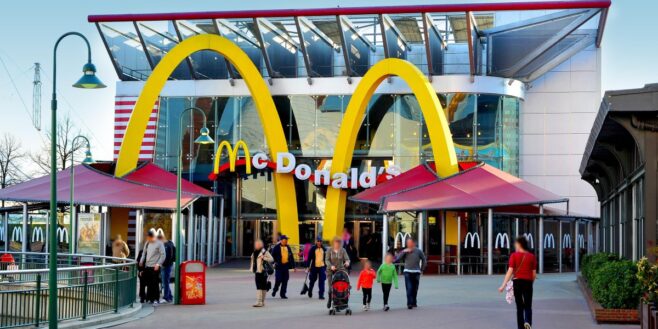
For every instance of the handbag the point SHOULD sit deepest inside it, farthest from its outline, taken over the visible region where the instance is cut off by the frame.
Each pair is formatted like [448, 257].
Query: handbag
[509, 288]
[267, 267]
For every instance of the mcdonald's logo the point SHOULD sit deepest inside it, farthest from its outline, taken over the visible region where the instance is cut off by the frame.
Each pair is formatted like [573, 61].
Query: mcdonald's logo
[580, 241]
[531, 241]
[549, 241]
[403, 237]
[17, 234]
[473, 237]
[232, 155]
[62, 234]
[158, 231]
[566, 241]
[437, 126]
[502, 240]
[37, 234]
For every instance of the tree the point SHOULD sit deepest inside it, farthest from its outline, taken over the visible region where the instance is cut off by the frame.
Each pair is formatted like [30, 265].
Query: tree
[11, 155]
[66, 132]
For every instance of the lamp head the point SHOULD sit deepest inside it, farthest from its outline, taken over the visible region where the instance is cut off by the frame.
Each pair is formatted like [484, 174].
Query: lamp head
[205, 137]
[89, 80]
[88, 159]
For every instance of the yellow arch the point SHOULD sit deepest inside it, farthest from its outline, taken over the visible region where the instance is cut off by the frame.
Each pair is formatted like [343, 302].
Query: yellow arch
[232, 155]
[437, 128]
[129, 152]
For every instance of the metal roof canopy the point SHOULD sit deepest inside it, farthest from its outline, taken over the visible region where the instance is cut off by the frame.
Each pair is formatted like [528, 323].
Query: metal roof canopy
[148, 187]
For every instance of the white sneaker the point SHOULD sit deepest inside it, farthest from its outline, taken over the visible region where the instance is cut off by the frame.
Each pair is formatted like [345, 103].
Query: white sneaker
[156, 303]
[365, 308]
[163, 301]
[368, 307]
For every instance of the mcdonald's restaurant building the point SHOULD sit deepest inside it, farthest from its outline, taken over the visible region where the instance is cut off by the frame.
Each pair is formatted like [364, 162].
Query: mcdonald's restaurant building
[519, 84]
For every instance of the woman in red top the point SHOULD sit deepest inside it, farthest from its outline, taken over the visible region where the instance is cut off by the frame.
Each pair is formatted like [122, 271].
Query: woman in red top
[366, 278]
[523, 271]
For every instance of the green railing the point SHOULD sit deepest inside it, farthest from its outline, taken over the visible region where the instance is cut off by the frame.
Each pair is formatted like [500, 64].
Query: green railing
[87, 285]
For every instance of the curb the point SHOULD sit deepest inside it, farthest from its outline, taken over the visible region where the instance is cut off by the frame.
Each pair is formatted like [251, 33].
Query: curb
[128, 314]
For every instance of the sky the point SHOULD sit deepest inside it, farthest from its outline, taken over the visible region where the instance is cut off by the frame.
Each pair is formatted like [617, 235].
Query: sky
[29, 29]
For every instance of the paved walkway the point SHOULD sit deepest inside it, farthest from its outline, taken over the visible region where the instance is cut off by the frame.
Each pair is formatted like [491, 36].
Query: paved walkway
[444, 302]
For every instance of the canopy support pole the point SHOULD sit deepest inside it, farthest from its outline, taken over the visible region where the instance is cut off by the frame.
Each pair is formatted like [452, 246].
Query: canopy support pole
[24, 230]
[589, 239]
[384, 236]
[5, 232]
[443, 237]
[490, 241]
[459, 252]
[190, 234]
[576, 249]
[209, 234]
[421, 230]
[559, 237]
[139, 232]
[541, 238]
[222, 230]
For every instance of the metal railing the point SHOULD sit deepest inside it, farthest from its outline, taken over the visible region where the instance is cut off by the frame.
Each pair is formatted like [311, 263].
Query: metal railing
[86, 285]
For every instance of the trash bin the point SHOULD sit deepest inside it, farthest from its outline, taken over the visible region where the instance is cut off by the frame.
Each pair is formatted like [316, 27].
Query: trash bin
[193, 283]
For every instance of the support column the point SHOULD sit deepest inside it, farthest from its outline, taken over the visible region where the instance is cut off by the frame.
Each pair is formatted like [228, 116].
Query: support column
[139, 232]
[384, 236]
[24, 240]
[209, 240]
[590, 248]
[490, 241]
[201, 241]
[576, 248]
[516, 226]
[421, 231]
[175, 231]
[190, 235]
[559, 237]
[5, 227]
[74, 229]
[222, 231]
[596, 237]
[443, 237]
[540, 240]
[459, 252]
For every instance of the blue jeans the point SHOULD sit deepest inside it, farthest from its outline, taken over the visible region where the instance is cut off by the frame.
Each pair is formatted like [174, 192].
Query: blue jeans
[165, 276]
[411, 283]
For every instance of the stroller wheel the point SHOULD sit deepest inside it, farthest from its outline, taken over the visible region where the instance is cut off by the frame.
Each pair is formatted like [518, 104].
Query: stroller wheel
[348, 312]
[332, 312]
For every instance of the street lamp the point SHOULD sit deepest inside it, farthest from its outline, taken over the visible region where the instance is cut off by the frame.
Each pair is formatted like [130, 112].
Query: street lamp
[203, 139]
[88, 81]
[74, 218]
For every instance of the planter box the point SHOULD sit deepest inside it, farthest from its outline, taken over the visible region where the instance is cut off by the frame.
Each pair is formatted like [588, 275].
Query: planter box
[602, 315]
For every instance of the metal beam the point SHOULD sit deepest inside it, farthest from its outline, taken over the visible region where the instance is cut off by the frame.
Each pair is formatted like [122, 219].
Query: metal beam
[231, 74]
[146, 51]
[115, 63]
[391, 23]
[564, 55]
[307, 60]
[187, 59]
[471, 50]
[382, 28]
[266, 57]
[602, 20]
[346, 21]
[528, 58]
[308, 23]
[343, 44]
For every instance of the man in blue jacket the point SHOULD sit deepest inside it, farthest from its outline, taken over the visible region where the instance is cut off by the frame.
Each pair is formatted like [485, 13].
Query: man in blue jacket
[284, 260]
[317, 268]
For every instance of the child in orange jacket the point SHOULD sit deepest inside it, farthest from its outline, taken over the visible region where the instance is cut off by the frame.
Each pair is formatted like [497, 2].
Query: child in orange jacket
[366, 279]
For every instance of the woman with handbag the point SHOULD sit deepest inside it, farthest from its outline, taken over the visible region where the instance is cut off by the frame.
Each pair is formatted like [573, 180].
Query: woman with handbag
[518, 282]
[259, 265]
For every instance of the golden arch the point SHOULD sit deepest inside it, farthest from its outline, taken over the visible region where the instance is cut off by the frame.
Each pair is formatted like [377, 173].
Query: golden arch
[232, 155]
[129, 152]
[437, 127]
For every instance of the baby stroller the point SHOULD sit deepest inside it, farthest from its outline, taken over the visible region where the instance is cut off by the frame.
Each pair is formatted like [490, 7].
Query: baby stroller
[340, 293]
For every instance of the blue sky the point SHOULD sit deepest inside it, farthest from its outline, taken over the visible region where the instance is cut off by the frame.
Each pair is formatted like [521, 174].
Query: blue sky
[29, 28]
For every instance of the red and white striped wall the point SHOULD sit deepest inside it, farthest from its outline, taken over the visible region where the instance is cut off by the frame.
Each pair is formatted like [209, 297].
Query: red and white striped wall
[123, 108]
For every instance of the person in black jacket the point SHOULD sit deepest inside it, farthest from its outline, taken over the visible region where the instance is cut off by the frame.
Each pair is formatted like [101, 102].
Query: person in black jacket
[316, 268]
[142, 280]
[284, 260]
[165, 274]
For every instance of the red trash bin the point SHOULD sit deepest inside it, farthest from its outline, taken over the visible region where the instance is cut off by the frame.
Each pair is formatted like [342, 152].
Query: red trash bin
[193, 282]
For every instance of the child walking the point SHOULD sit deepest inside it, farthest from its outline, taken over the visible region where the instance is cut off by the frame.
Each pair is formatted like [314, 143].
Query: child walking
[366, 278]
[387, 276]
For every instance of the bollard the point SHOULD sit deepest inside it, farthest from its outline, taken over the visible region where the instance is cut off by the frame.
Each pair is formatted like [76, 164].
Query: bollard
[116, 290]
[85, 290]
[37, 309]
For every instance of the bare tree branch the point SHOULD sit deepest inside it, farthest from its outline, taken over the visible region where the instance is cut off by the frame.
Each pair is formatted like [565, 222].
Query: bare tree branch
[66, 132]
[11, 154]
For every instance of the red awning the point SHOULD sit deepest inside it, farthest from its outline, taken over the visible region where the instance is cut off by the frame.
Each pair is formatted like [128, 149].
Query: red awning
[95, 187]
[481, 186]
[415, 177]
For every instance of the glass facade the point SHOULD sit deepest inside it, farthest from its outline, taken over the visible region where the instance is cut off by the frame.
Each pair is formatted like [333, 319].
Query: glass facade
[484, 127]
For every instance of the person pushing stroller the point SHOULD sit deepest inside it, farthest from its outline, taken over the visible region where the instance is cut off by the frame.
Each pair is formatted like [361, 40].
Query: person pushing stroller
[336, 259]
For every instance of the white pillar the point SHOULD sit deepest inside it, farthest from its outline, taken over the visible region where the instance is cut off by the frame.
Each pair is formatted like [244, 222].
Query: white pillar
[209, 234]
[6, 233]
[590, 239]
[459, 252]
[576, 247]
[559, 237]
[384, 236]
[175, 232]
[25, 242]
[540, 240]
[421, 230]
[596, 237]
[190, 236]
[222, 230]
[74, 224]
[443, 237]
[490, 241]
[516, 226]
[139, 232]
[201, 242]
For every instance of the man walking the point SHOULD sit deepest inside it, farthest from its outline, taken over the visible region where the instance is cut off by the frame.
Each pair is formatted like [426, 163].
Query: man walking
[284, 261]
[152, 260]
[317, 268]
[414, 264]
[165, 273]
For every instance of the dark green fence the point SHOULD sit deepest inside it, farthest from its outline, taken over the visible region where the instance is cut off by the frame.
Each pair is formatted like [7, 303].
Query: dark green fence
[86, 286]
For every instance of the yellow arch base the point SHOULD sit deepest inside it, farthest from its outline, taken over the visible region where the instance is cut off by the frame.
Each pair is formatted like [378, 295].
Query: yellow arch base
[129, 152]
[437, 127]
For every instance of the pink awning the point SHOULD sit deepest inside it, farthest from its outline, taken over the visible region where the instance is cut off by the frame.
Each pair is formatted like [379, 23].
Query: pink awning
[479, 186]
[414, 177]
[96, 187]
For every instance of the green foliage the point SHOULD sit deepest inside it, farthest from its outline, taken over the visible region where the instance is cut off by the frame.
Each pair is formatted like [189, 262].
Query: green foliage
[615, 284]
[647, 275]
[593, 262]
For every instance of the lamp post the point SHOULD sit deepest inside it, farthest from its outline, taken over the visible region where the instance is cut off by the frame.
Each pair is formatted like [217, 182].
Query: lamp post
[74, 217]
[88, 81]
[203, 139]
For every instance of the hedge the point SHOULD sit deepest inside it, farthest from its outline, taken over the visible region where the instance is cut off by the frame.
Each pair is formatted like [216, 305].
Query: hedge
[613, 281]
